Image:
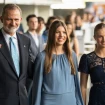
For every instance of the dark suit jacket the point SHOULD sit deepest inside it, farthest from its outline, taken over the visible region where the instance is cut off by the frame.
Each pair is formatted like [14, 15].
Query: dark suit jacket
[13, 88]
[34, 49]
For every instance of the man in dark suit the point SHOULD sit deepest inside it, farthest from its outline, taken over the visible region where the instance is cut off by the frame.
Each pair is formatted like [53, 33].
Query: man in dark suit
[13, 81]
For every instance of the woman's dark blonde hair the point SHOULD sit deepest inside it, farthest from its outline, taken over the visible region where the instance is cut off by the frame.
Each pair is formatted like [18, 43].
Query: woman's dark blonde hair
[98, 27]
[51, 44]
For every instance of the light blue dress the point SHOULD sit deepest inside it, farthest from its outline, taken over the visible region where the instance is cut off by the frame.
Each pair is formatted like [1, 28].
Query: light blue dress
[58, 87]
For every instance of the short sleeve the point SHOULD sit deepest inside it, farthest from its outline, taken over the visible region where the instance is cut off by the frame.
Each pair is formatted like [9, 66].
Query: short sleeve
[83, 64]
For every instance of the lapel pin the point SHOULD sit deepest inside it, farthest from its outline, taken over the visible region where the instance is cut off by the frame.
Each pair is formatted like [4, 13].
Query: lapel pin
[24, 46]
[0, 45]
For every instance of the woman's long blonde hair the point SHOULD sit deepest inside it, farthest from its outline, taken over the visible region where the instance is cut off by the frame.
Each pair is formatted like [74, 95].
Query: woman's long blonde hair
[51, 44]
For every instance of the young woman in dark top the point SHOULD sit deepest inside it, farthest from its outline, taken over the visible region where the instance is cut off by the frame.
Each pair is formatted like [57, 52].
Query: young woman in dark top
[93, 64]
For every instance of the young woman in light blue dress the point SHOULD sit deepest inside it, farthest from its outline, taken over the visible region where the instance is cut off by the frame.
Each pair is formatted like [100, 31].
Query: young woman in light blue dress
[55, 72]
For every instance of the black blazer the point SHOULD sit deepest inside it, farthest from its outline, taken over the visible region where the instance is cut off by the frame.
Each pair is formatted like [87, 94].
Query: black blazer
[13, 88]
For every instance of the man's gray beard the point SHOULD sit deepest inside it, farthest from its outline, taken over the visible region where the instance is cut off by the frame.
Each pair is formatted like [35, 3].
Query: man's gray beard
[11, 30]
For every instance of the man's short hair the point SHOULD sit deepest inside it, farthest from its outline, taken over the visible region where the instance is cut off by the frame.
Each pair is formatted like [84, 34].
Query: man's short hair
[41, 19]
[30, 16]
[11, 7]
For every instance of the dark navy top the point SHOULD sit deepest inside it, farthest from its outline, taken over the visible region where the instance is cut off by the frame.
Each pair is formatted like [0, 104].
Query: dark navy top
[93, 65]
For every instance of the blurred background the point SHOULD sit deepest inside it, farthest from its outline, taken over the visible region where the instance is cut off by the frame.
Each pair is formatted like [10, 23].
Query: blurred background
[62, 8]
[84, 14]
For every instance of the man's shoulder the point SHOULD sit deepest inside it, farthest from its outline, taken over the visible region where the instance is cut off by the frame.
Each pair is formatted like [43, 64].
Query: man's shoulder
[23, 36]
[26, 33]
[41, 55]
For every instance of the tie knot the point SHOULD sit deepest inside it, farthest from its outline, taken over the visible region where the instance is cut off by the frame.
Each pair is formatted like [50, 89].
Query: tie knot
[11, 38]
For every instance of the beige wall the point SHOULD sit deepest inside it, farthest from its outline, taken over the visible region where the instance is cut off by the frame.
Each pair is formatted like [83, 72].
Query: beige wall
[1, 6]
[26, 10]
[44, 11]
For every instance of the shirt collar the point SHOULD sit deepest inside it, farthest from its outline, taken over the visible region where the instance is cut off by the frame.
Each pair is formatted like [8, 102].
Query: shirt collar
[32, 33]
[6, 35]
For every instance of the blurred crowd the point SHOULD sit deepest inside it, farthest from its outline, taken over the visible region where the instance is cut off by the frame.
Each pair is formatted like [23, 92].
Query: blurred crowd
[39, 67]
[75, 23]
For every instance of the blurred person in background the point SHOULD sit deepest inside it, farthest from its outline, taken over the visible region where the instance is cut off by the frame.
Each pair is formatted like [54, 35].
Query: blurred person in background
[84, 17]
[90, 16]
[60, 18]
[41, 26]
[20, 29]
[93, 22]
[78, 22]
[93, 64]
[85, 21]
[73, 13]
[55, 73]
[73, 39]
[45, 33]
[71, 19]
[37, 44]
[102, 17]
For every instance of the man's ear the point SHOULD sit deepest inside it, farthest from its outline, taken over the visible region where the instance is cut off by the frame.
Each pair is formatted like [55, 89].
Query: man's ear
[1, 19]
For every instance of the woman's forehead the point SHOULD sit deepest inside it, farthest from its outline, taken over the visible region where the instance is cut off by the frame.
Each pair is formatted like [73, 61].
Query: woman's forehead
[101, 31]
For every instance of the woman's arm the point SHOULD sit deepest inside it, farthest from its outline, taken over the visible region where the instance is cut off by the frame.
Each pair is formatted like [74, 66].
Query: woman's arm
[78, 94]
[37, 80]
[83, 85]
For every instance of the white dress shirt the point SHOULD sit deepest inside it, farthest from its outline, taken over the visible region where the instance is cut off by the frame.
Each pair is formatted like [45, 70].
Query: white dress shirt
[35, 37]
[7, 37]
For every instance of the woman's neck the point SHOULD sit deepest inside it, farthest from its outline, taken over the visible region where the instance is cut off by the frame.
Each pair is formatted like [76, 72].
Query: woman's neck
[100, 52]
[58, 50]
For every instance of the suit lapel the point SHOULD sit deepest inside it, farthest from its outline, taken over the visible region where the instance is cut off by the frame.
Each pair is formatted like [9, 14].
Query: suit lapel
[21, 54]
[5, 51]
[32, 40]
[41, 43]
